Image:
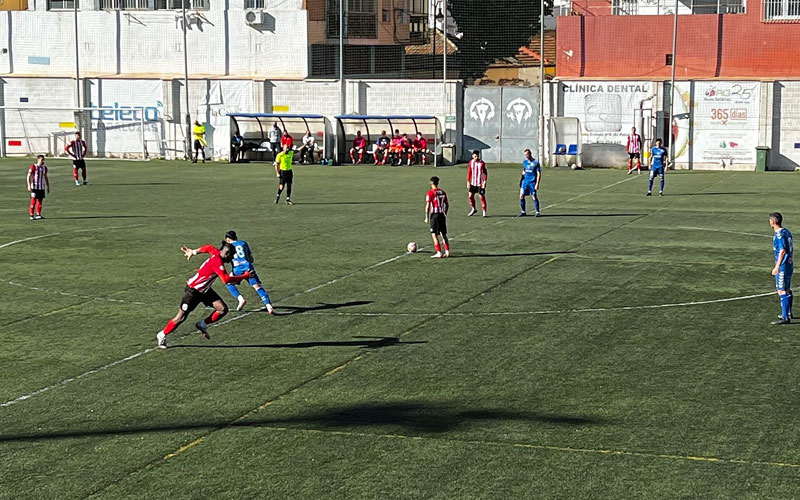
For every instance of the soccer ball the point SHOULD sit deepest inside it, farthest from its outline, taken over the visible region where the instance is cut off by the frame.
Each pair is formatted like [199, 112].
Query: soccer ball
[411, 247]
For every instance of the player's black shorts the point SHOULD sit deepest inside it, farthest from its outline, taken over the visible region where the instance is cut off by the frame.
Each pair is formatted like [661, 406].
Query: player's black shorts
[477, 190]
[192, 298]
[438, 224]
[286, 176]
[198, 144]
[79, 163]
[633, 155]
[37, 194]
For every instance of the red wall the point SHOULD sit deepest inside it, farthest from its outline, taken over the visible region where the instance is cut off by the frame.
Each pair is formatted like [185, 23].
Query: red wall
[634, 47]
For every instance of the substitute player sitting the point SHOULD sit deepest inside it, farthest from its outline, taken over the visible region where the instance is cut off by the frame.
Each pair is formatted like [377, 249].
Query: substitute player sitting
[529, 182]
[77, 149]
[476, 182]
[243, 262]
[381, 148]
[419, 146]
[396, 148]
[359, 146]
[198, 290]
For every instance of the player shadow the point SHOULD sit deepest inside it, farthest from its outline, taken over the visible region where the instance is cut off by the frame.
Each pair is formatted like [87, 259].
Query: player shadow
[108, 217]
[396, 417]
[349, 203]
[591, 215]
[136, 184]
[363, 342]
[322, 306]
[736, 193]
[519, 254]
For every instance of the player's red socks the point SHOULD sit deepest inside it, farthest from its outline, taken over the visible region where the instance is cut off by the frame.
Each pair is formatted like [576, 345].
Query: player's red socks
[213, 317]
[33, 204]
[360, 156]
[38, 207]
[437, 247]
[472, 201]
[75, 173]
[170, 327]
[483, 203]
[447, 246]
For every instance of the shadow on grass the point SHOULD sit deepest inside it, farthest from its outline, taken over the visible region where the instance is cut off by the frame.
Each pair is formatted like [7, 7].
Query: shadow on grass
[322, 306]
[350, 203]
[366, 343]
[389, 417]
[108, 217]
[520, 254]
[590, 215]
[136, 184]
[739, 193]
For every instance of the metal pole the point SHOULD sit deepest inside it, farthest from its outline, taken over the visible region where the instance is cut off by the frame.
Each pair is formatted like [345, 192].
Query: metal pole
[188, 143]
[342, 92]
[77, 64]
[444, 68]
[672, 84]
[541, 81]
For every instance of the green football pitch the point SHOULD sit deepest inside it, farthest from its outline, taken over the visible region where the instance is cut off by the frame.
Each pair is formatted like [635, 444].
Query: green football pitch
[619, 346]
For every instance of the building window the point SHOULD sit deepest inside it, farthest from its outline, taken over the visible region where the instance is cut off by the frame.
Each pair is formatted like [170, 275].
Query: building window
[253, 4]
[362, 20]
[661, 7]
[386, 16]
[778, 10]
[62, 4]
[151, 4]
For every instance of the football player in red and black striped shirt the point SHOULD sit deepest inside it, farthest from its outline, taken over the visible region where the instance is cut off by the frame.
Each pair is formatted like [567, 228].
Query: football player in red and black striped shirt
[37, 181]
[436, 207]
[198, 289]
[476, 182]
[77, 149]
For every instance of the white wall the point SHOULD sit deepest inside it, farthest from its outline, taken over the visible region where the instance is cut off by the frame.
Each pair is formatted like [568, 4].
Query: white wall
[785, 154]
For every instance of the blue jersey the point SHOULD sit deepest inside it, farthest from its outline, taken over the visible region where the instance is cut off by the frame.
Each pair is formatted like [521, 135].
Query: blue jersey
[783, 241]
[658, 155]
[242, 258]
[530, 171]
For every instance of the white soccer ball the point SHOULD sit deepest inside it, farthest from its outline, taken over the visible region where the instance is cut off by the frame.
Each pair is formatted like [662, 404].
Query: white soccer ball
[411, 247]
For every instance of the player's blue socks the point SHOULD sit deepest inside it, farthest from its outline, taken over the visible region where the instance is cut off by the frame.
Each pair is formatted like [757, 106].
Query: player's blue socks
[650, 186]
[536, 204]
[234, 291]
[522, 204]
[785, 307]
[264, 296]
[791, 299]
[662, 183]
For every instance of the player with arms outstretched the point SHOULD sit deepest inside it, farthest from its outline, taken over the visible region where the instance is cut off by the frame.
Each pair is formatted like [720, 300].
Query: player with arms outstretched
[659, 164]
[78, 150]
[243, 262]
[784, 266]
[198, 289]
[436, 207]
[476, 182]
[529, 182]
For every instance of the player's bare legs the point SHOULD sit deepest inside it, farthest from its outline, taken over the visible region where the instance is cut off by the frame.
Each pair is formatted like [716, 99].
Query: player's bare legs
[471, 198]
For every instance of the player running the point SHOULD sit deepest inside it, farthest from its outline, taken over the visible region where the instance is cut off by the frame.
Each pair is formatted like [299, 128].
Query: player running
[476, 182]
[283, 169]
[529, 182]
[37, 181]
[784, 266]
[77, 149]
[243, 262]
[659, 165]
[198, 289]
[436, 211]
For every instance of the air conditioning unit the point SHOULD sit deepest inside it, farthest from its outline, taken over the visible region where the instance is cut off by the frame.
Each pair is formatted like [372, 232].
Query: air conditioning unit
[254, 17]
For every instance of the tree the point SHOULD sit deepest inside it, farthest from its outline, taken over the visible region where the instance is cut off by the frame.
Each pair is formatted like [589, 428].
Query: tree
[493, 29]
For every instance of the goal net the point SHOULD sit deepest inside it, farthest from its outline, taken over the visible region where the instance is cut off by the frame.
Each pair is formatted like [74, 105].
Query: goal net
[109, 133]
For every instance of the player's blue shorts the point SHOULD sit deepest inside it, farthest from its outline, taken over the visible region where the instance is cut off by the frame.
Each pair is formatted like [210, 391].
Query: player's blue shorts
[783, 280]
[654, 171]
[528, 189]
[253, 279]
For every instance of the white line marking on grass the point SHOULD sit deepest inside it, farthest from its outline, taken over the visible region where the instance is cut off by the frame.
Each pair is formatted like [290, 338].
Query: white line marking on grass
[67, 232]
[224, 322]
[548, 311]
[724, 231]
[27, 239]
[67, 294]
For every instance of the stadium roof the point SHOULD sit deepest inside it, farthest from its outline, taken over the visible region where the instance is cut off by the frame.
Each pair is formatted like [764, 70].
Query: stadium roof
[272, 115]
[386, 117]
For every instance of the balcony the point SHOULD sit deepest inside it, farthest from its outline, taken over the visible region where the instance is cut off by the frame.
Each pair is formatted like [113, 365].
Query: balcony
[781, 10]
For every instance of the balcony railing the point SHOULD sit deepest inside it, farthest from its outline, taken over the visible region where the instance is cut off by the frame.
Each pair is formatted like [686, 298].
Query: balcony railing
[659, 7]
[153, 4]
[781, 10]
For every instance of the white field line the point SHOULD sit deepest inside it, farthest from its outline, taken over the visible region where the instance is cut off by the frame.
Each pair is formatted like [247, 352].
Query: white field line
[548, 311]
[4, 245]
[67, 294]
[724, 231]
[224, 322]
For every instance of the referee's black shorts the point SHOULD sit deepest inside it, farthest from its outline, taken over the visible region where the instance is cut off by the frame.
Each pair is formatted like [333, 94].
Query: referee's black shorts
[438, 224]
[192, 298]
[286, 176]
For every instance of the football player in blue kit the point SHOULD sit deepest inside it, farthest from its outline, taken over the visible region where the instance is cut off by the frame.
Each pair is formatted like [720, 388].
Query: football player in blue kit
[659, 163]
[784, 266]
[243, 260]
[529, 182]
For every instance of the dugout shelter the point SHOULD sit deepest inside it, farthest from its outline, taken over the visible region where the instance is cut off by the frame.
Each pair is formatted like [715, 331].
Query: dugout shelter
[372, 125]
[255, 127]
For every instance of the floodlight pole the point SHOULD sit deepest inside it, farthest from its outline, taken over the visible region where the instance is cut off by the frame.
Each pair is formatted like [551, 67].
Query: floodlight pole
[444, 68]
[672, 85]
[187, 146]
[541, 81]
[342, 90]
[77, 63]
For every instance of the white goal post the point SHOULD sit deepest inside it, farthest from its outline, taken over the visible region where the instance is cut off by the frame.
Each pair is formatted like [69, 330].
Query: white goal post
[108, 132]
